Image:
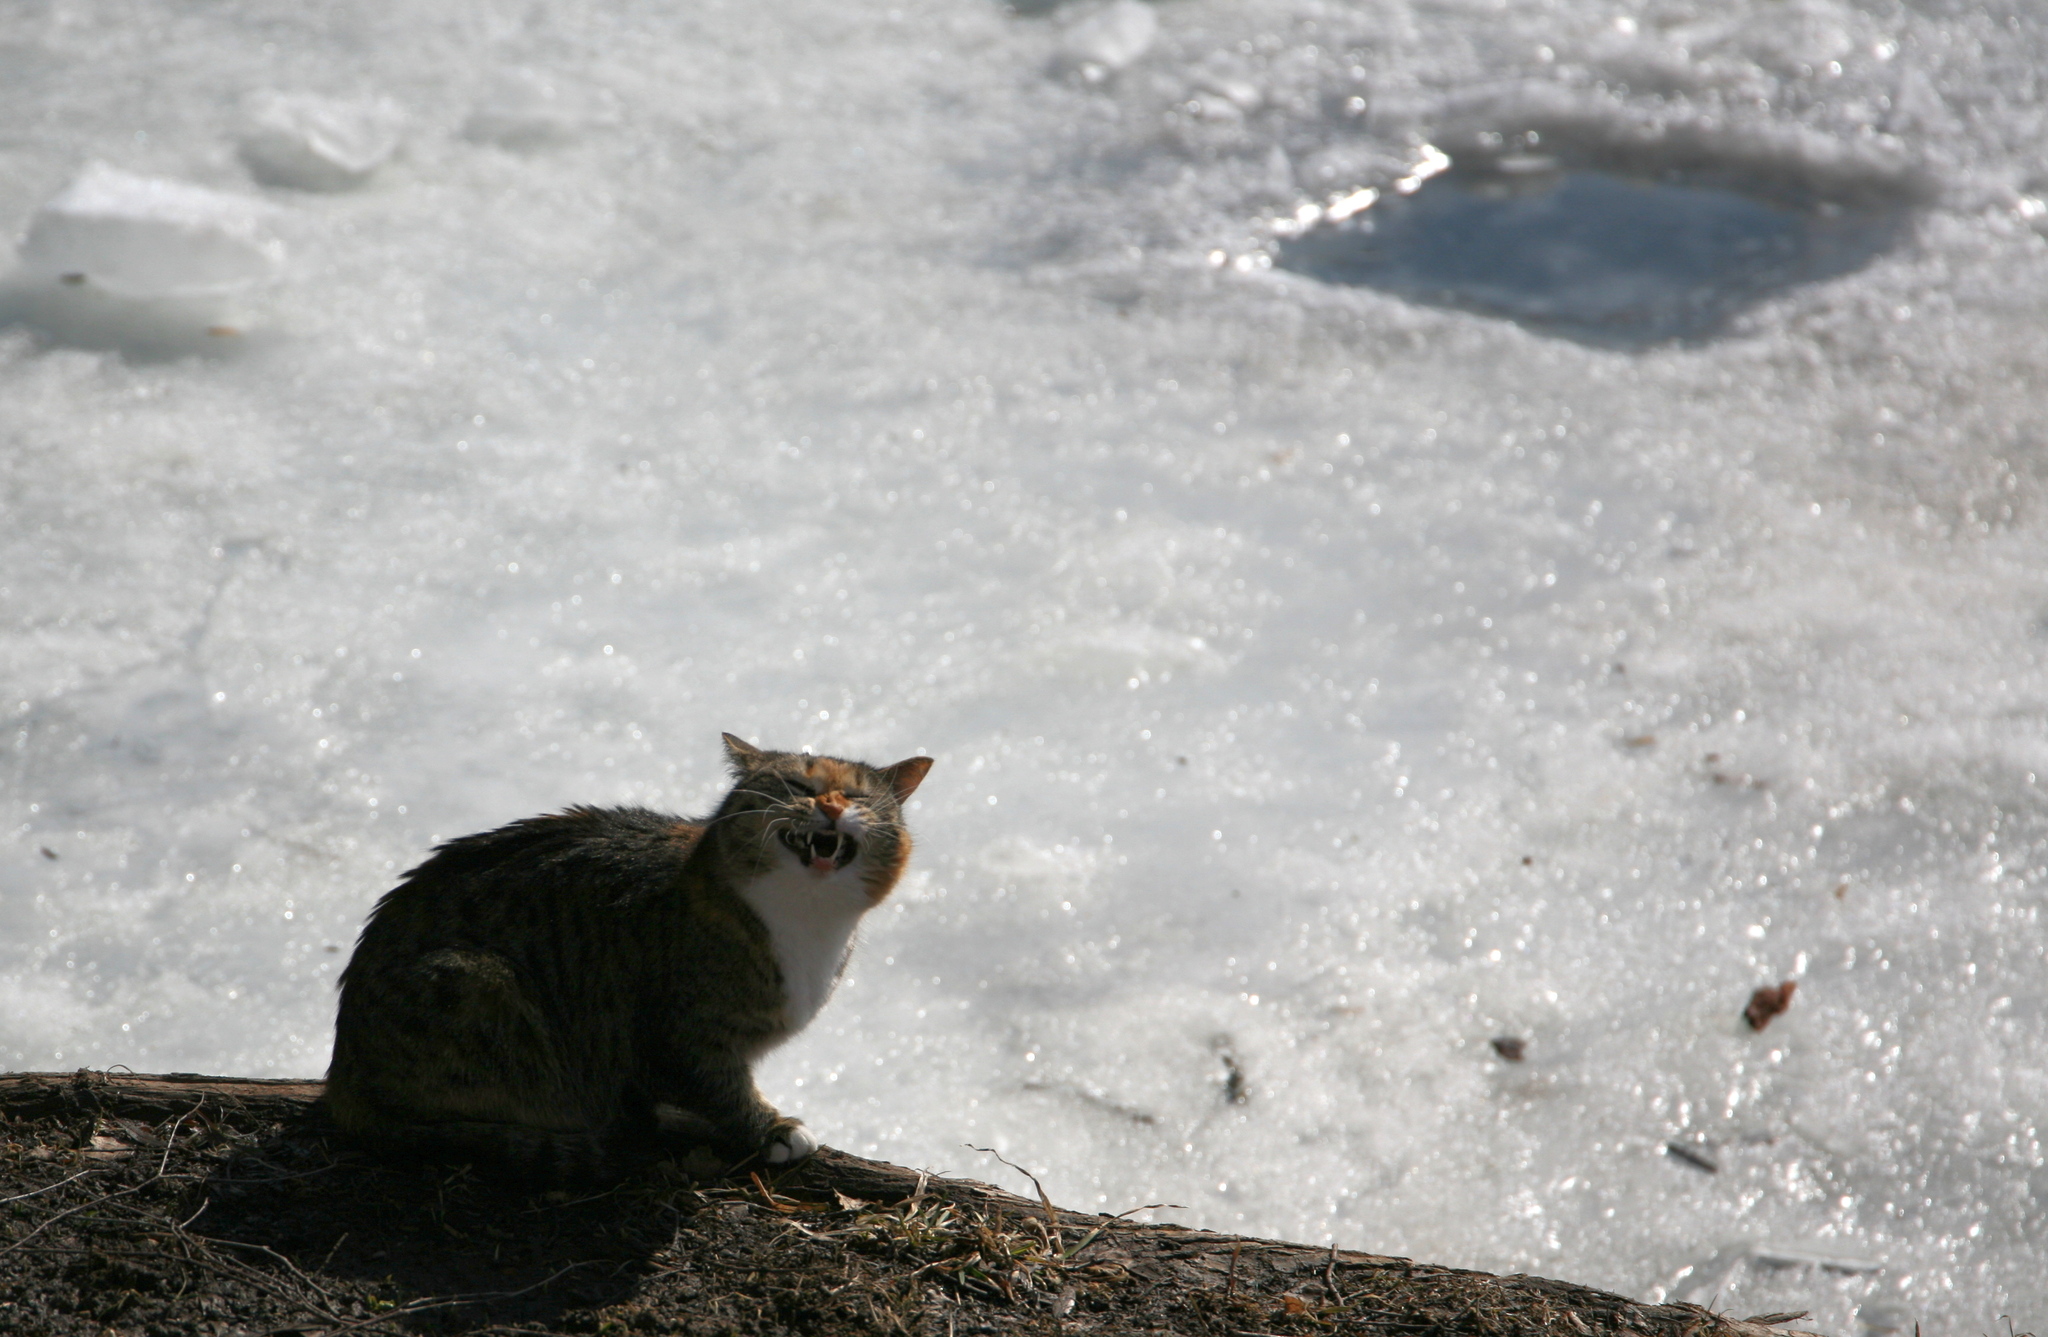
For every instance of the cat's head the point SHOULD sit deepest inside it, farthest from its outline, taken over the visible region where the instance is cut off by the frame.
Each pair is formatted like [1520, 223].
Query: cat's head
[826, 815]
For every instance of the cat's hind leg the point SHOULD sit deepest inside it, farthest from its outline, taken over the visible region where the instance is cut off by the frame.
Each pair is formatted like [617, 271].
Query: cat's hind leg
[446, 1057]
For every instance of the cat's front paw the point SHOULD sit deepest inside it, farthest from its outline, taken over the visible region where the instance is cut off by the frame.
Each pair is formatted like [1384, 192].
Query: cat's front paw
[791, 1142]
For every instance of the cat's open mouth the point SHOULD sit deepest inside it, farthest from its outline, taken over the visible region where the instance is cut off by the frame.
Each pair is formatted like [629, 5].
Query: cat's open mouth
[811, 846]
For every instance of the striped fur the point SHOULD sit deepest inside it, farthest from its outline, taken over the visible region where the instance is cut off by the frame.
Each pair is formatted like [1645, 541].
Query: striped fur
[529, 995]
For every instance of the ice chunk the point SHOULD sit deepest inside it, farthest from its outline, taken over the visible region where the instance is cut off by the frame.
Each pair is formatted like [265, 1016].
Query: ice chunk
[145, 265]
[317, 143]
[138, 236]
[526, 109]
[1110, 38]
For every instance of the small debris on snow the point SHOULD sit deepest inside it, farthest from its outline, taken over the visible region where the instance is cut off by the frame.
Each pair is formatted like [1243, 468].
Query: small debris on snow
[1698, 1155]
[1768, 1002]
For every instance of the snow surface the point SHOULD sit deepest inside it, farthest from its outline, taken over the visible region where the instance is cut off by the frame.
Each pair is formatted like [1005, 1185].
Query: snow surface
[1320, 685]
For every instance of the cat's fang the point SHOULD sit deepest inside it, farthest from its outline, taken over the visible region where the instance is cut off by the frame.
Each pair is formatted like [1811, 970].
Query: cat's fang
[823, 851]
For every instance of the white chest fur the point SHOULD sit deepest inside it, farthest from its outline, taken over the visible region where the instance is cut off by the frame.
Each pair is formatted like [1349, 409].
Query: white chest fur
[810, 922]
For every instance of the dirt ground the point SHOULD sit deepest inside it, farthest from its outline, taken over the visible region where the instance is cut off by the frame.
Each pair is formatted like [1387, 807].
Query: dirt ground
[181, 1206]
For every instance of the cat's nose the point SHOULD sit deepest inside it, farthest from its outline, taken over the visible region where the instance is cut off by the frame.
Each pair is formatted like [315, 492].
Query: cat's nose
[831, 805]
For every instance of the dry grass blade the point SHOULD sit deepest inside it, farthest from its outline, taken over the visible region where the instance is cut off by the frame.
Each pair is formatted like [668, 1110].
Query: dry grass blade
[1052, 1219]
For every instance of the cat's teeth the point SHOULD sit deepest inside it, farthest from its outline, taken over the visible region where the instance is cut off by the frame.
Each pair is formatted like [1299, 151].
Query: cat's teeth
[823, 851]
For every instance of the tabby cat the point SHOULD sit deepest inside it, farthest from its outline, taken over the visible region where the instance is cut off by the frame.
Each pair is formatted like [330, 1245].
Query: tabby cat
[529, 996]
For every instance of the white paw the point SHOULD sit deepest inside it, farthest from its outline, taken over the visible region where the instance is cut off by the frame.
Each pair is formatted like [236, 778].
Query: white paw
[794, 1144]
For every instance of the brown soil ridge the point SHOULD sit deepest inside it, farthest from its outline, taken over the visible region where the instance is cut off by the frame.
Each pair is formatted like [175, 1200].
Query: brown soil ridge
[187, 1206]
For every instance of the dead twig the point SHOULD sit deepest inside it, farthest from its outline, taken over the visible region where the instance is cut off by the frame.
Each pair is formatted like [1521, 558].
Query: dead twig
[48, 1187]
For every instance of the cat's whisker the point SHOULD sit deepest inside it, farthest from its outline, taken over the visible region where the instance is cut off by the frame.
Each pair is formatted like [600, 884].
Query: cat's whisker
[774, 827]
[738, 812]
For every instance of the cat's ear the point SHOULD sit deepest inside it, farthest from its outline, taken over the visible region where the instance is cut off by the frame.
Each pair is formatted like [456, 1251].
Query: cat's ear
[906, 775]
[743, 755]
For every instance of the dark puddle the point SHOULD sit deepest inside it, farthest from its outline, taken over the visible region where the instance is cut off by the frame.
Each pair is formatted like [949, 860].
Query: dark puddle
[1616, 253]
